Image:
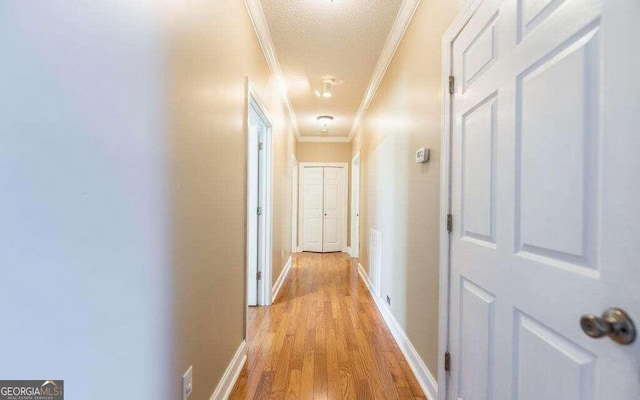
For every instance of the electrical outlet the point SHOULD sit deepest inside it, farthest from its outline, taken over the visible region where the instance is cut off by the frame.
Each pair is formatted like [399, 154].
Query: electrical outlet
[388, 300]
[187, 383]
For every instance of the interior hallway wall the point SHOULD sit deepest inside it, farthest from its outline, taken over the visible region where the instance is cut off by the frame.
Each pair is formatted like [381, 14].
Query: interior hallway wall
[213, 46]
[85, 238]
[123, 206]
[400, 198]
[328, 152]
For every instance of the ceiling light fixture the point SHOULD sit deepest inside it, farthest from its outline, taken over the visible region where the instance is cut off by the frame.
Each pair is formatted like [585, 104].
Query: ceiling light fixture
[327, 88]
[325, 120]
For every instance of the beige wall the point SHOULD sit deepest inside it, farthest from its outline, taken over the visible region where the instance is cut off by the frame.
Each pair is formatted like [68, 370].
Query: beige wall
[324, 152]
[329, 152]
[399, 197]
[213, 47]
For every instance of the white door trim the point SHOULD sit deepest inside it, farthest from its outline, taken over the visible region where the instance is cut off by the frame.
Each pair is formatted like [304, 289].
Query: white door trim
[294, 204]
[465, 14]
[253, 101]
[355, 206]
[345, 189]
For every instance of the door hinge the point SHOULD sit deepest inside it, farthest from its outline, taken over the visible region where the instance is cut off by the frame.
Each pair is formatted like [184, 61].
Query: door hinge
[260, 145]
[447, 361]
[259, 210]
[449, 223]
[259, 274]
[452, 84]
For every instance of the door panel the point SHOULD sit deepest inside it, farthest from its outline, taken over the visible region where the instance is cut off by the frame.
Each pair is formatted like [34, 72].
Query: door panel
[539, 147]
[476, 343]
[479, 160]
[548, 366]
[313, 208]
[333, 189]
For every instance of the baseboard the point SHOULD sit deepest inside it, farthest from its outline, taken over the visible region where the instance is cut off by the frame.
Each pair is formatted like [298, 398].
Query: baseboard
[281, 279]
[224, 388]
[423, 375]
[349, 251]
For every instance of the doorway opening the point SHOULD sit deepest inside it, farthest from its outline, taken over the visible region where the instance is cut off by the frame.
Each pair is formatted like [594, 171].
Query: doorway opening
[259, 208]
[294, 206]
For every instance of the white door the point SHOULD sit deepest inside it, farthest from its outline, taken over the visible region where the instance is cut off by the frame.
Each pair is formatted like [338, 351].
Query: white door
[332, 230]
[313, 214]
[252, 220]
[545, 200]
[355, 206]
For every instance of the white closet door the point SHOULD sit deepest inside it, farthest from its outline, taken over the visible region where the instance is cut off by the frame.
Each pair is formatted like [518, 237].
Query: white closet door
[313, 208]
[333, 188]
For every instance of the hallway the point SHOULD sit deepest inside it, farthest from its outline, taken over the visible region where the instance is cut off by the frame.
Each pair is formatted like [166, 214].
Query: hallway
[323, 338]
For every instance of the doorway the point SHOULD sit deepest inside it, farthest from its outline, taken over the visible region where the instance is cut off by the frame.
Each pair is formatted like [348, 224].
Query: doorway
[323, 200]
[294, 205]
[541, 234]
[259, 210]
[355, 206]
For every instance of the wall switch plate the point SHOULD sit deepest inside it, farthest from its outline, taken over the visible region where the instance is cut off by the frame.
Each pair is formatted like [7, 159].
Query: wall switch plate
[187, 383]
[422, 155]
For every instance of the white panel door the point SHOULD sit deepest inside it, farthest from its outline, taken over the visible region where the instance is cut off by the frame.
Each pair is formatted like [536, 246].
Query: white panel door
[333, 195]
[545, 200]
[313, 214]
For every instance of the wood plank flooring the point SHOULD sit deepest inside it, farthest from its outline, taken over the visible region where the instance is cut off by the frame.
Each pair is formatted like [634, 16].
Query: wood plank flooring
[323, 338]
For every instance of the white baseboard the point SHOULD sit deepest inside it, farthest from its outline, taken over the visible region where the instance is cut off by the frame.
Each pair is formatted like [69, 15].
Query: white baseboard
[281, 278]
[423, 375]
[223, 390]
[349, 251]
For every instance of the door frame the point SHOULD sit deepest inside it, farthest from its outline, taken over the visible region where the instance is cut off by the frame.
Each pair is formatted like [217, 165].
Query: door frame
[458, 24]
[254, 101]
[355, 204]
[294, 204]
[345, 193]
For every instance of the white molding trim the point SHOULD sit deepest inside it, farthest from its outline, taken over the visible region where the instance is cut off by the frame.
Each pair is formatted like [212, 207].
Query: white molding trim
[465, 14]
[283, 276]
[423, 375]
[324, 139]
[349, 251]
[405, 14]
[230, 376]
[256, 14]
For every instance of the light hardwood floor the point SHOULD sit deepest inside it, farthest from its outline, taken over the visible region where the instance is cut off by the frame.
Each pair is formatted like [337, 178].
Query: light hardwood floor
[323, 338]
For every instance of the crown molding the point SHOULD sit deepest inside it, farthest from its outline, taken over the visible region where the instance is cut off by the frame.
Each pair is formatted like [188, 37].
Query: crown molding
[405, 14]
[324, 139]
[256, 14]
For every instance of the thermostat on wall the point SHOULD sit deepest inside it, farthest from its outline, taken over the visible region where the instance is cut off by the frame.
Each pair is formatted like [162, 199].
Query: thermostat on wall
[422, 155]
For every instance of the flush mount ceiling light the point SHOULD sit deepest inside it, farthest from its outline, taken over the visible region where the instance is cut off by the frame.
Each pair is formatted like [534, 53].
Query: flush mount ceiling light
[325, 120]
[327, 88]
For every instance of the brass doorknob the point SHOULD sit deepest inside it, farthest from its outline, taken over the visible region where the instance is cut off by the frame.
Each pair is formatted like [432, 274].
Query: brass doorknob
[614, 323]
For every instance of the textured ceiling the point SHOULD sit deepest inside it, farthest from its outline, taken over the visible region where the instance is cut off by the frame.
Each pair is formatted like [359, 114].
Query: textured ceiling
[342, 39]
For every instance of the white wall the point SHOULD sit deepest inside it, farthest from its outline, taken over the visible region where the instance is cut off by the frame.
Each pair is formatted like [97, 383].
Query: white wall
[83, 237]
